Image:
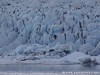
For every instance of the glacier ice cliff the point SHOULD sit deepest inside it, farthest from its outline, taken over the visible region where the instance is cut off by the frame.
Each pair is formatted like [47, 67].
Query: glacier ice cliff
[49, 27]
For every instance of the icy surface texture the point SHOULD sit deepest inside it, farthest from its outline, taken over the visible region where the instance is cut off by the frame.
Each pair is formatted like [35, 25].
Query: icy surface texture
[45, 23]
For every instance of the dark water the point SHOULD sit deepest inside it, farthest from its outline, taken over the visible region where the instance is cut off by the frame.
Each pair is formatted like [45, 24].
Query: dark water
[48, 68]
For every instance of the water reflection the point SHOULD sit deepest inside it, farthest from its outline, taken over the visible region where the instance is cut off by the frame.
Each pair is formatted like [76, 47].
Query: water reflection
[48, 68]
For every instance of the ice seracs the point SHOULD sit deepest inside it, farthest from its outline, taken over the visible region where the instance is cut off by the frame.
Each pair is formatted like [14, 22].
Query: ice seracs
[40, 25]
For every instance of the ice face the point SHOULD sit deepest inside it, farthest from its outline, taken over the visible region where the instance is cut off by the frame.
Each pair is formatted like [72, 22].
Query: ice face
[47, 22]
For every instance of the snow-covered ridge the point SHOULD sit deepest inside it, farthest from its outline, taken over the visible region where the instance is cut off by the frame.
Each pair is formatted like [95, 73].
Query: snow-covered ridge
[49, 23]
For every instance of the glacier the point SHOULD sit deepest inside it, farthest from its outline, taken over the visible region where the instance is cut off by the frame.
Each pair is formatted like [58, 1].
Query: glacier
[39, 29]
